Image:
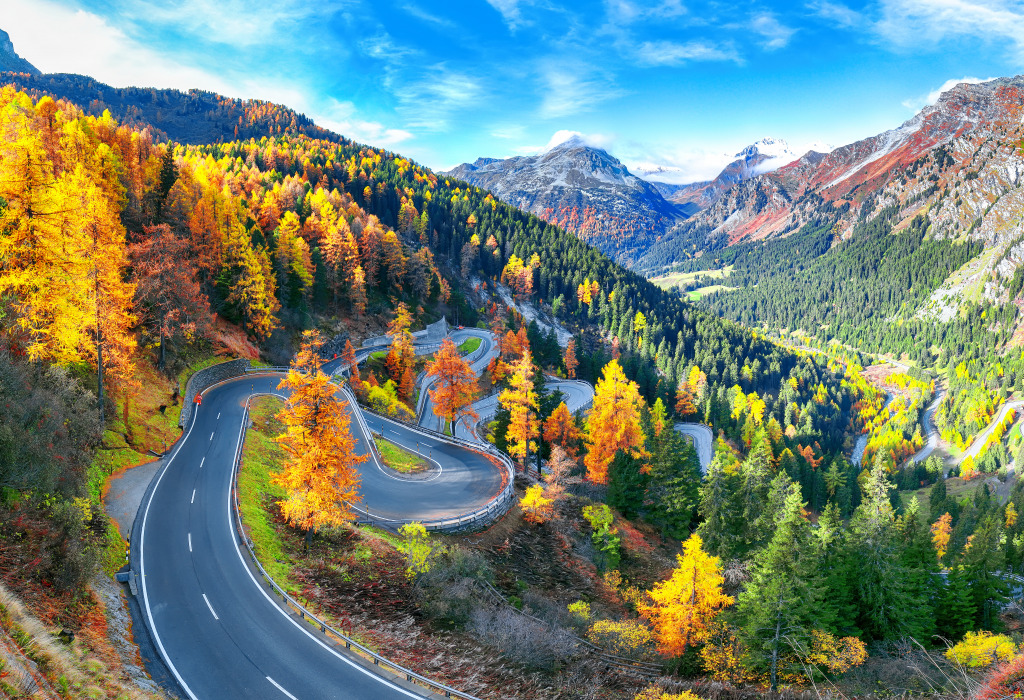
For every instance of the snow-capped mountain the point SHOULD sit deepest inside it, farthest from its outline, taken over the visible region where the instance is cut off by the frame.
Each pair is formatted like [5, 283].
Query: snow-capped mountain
[583, 189]
[957, 162]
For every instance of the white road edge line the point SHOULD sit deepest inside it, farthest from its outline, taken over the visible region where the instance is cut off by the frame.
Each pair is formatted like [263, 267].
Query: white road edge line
[193, 496]
[278, 686]
[210, 607]
[273, 603]
[190, 541]
[142, 565]
[201, 462]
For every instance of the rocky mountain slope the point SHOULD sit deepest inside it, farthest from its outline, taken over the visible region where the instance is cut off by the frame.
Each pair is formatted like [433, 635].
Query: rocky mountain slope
[582, 189]
[764, 156]
[10, 60]
[957, 162]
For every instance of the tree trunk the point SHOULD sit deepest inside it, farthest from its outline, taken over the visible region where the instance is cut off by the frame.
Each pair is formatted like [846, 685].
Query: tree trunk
[99, 370]
[775, 649]
[308, 541]
[163, 353]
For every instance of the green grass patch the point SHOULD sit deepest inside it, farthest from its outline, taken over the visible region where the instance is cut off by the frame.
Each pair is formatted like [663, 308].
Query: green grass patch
[399, 458]
[261, 456]
[470, 345]
[676, 279]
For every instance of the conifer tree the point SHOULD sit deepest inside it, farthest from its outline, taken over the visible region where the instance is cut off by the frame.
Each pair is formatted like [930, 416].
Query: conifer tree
[614, 422]
[320, 477]
[520, 400]
[455, 383]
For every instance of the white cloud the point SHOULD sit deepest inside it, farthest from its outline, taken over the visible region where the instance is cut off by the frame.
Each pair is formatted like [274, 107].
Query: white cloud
[341, 117]
[911, 22]
[420, 13]
[570, 89]
[76, 41]
[670, 53]
[837, 13]
[603, 141]
[775, 34]
[917, 103]
[626, 12]
[509, 10]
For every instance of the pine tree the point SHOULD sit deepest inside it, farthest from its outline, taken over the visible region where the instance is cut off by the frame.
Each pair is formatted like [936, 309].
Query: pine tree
[780, 607]
[673, 491]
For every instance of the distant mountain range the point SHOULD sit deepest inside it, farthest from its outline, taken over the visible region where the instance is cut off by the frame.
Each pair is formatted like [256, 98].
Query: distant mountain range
[958, 162]
[589, 192]
[583, 189]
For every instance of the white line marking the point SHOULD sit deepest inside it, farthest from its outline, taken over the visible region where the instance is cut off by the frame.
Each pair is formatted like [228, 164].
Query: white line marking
[274, 604]
[212, 434]
[193, 496]
[142, 565]
[210, 607]
[278, 686]
[190, 541]
[218, 416]
[201, 462]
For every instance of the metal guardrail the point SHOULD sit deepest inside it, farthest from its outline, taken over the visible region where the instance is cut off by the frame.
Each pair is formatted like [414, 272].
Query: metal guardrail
[305, 614]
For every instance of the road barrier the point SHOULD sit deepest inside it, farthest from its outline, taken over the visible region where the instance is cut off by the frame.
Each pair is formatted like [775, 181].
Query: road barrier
[306, 615]
[208, 377]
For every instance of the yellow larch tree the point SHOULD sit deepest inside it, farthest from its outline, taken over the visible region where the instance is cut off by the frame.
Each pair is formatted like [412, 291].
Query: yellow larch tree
[941, 531]
[319, 477]
[455, 383]
[401, 356]
[521, 401]
[613, 423]
[683, 608]
[571, 363]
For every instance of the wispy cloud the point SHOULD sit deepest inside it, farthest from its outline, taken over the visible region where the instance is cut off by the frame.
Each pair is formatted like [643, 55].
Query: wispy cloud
[627, 12]
[774, 33]
[604, 141]
[571, 89]
[429, 97]
[421, 14]
[342, 118]
[671, 53]
[510, 12]
[917, 103]
[836, 13]
[913, 22]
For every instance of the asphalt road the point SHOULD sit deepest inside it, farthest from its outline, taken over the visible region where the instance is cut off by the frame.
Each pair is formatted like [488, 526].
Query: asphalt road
[478, 361]
[931, 432]
[220, 633]
[703, 440]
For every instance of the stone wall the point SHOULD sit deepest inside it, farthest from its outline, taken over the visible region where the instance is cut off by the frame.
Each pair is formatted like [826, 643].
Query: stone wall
[205, 378]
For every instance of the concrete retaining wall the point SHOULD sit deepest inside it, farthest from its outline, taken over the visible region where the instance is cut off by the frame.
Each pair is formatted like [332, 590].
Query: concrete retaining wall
[208, 377]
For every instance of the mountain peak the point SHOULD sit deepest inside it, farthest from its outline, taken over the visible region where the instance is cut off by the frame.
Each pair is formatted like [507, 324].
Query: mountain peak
[10, 60]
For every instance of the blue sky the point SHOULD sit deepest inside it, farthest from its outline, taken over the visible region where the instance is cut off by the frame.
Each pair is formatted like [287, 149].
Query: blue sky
[675, 83]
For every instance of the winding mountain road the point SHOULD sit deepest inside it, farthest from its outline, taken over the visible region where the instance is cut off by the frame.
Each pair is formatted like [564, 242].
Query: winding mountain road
[218, 630]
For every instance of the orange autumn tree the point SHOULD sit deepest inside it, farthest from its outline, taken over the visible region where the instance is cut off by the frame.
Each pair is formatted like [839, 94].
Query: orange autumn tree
[319, 477]
[455, 385]
[613, 423]
[521, 401]
[571, 363]
[560, 429]
[684, 607]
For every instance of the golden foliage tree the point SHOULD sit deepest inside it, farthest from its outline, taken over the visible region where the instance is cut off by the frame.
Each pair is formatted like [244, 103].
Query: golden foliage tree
[521, 401]
[455, 383]
[683, 608]
[560, 429]
[537, 508]
[941, 531]
[613, 423]
[320, 478]
[401, 355]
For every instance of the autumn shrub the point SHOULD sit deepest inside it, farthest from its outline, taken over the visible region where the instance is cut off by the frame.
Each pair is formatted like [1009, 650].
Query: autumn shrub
[419, 550]
[605, 537]
[450, 590]
[523, 640]
[580, 610]
[629, 638]
[536, 508]
[654, 692]
[981, 649]
[1007, 681]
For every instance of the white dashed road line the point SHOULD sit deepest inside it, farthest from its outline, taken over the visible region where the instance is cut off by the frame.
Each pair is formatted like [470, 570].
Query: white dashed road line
[278, 686]
[210, 607]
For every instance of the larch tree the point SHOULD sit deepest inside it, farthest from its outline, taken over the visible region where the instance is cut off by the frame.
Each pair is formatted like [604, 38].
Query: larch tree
[167, 292]
[401, 354]
[520, 400]
[320, 478]
[248, 277]
[683, 608]
[941, 530]
[560, 429]
[455, 383]
[614, 422]
[571, 363]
